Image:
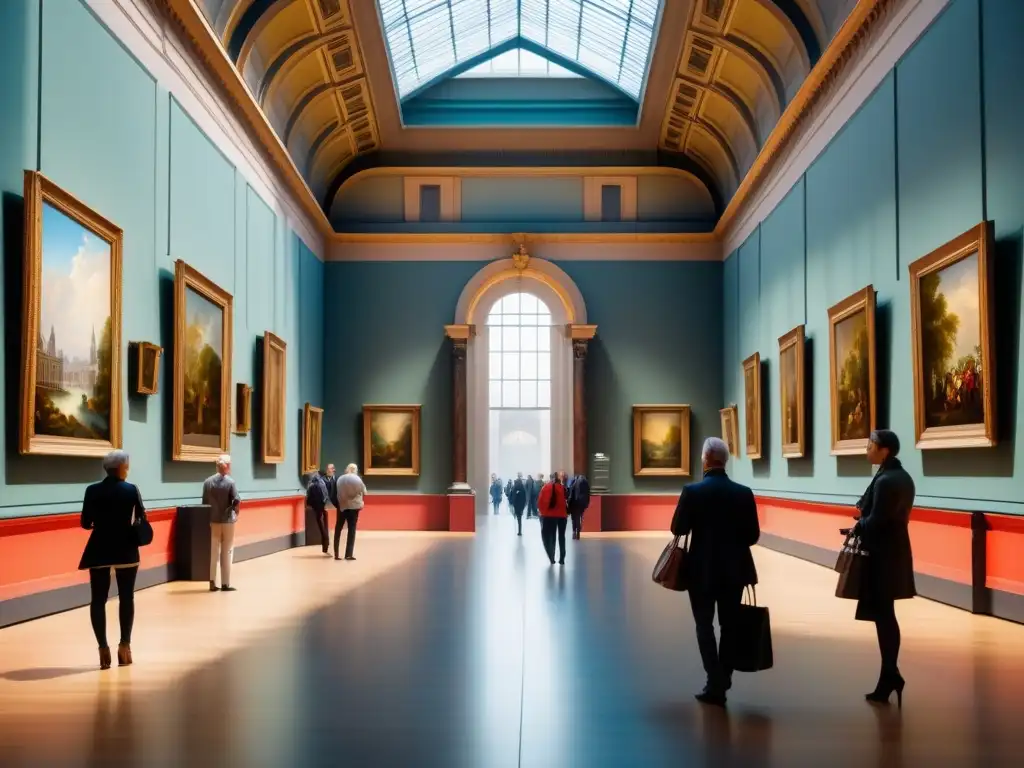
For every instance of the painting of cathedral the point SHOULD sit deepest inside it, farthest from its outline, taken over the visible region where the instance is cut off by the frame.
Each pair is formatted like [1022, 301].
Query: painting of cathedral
[71, 372]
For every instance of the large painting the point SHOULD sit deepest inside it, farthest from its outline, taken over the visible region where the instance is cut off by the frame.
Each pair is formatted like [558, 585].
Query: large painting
[852, 372]
[752, 399]
[71, 338]
[661, 440]
[202, 366]
[951, 328]
[730, 428]
[791, 390]
[312, 433]
[273, 415]
[391, 440]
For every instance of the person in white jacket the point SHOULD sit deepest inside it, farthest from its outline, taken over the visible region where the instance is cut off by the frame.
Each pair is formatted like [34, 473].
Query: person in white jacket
[350, 500]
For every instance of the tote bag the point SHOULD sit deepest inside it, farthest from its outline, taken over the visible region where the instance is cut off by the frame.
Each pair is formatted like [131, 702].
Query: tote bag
[143, 530]
[752, 637]
[850, 565]
[672, 569]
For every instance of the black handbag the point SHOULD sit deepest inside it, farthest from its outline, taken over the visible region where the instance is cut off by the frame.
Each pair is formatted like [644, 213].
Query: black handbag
[672, 571]
[143, 530]
[752, 637]
[850, 566]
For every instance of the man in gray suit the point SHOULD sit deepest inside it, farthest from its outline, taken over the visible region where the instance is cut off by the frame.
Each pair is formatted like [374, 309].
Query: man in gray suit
[221, 495]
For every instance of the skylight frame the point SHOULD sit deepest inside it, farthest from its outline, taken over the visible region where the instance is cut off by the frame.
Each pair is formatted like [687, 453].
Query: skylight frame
[500, 26]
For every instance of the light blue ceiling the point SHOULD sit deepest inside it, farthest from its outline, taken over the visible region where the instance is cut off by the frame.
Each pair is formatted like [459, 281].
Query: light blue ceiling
[429, 40]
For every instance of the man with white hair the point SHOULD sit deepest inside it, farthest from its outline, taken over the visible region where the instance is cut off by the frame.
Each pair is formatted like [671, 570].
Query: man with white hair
[721, 518]
[350, 500]
[221, 495]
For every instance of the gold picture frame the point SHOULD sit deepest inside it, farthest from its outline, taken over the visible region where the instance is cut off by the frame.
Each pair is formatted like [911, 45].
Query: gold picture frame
[202, 361]
[752, 411]
[57, 226]
[147, 363]
[852, 388]
[730, 420]
[951, 326]
[792, 398]
[391, 440]
[312, 435]
[274, 397]
[243, 408]
[661, 440]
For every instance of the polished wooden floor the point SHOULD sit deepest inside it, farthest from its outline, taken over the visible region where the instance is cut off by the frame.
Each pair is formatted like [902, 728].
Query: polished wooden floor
[458, 651]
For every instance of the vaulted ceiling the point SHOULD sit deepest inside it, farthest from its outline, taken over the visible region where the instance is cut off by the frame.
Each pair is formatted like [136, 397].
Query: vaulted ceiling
[330, 76]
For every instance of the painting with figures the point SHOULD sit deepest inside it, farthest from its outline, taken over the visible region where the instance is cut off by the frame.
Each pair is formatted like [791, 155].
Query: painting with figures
[391, 439]
[852, 371]
[274, 391]
[661, 440]
[951, 332]
[752, 399]
[791, 390]
[71, 374]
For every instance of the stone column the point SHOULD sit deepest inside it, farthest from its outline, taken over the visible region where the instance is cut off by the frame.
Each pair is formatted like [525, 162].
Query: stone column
[459, 336]
[581, 336]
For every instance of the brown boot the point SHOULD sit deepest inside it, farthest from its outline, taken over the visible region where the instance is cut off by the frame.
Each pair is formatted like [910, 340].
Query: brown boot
[124, 654]
[104, 658]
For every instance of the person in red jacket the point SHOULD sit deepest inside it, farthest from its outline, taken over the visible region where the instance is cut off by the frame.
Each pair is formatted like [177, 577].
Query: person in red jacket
[551, 505]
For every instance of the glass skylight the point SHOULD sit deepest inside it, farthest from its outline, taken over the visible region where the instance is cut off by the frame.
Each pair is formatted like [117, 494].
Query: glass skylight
[518, 63]
[610, 38]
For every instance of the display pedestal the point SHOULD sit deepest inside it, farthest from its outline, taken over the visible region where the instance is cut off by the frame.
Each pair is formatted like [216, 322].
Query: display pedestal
[592, 517]
[192, 543]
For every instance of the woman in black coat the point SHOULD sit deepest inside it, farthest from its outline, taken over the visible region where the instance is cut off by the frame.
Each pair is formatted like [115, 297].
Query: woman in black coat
[109, 509]
[889, 567]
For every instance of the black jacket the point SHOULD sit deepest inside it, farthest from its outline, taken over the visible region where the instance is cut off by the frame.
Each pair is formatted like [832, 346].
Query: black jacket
[884, 529]
[518, 498]
[332, 489]
[578, 494]
[316, 493]
[108, 511]
[721, 518]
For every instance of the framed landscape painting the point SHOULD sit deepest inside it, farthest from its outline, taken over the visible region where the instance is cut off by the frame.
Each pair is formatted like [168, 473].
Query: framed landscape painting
[661, 440]
[791, 391]
[312, 433]
[275, 367]
[851, 381]
[148, 365]
[951, 322]
[391, 440]
[243, 408]
[730, 428]
[203, 323]
[71, 326]
[752, 399]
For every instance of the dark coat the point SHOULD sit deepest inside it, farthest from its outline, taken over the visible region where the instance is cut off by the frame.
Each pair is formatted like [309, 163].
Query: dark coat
[318, 494]
[883, 528]
[332, 489]
[721, 518]
[108, 511]
[496, 492]
[518, 498]
[578, 497]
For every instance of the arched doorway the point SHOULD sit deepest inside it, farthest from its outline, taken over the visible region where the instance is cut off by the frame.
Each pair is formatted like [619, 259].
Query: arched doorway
[560, 305]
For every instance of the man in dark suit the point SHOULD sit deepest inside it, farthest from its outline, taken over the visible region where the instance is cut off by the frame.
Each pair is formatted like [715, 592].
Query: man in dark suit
[721, 517]
[518, 500]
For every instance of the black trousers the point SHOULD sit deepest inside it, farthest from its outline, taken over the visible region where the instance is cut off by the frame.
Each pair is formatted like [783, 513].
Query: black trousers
[716, 656]
[549, 527]
[322, 524]
[576, 515]
[350, 516]
[99, 587]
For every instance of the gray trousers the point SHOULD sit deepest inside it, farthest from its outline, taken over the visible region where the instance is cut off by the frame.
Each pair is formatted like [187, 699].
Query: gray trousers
[222, 547]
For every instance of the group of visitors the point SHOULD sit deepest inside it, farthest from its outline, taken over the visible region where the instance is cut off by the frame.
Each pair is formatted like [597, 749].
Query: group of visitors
[346, 495]
[720, 518]
[555, 502]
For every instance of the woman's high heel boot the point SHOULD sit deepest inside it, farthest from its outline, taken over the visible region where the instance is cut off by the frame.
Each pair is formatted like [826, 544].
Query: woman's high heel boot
[887, 684]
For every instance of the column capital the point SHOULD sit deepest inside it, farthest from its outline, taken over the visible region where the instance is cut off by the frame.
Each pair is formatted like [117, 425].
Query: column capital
[459, 335]
[580, 336]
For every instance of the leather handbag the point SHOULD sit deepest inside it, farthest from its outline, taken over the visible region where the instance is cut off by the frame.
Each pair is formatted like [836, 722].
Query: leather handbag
[850, 565]
[143, 530]
[751, 637]
[672, 571]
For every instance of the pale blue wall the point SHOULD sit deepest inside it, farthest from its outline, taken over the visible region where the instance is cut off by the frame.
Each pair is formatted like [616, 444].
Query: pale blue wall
[105, 130]
[934, 151]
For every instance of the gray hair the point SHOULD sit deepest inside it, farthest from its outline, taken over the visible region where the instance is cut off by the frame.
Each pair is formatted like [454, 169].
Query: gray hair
[715, 451]
[351, 469]
[114, 461]
[224, 460]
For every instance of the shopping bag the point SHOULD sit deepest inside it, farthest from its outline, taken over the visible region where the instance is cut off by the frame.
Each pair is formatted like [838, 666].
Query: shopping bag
[672, 569]
[751, 637]
[851, 564]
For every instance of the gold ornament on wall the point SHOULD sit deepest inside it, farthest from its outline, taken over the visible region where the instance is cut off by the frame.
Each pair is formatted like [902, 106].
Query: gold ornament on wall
[520, 256]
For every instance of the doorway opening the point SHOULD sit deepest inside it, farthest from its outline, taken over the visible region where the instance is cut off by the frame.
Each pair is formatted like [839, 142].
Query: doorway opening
[519, 341]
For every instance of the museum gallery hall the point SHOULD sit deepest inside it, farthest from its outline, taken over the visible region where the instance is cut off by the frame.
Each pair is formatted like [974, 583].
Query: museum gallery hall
[512, 383]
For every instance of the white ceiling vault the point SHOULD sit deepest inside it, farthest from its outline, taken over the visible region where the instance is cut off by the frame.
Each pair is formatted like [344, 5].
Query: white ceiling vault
[712, 77]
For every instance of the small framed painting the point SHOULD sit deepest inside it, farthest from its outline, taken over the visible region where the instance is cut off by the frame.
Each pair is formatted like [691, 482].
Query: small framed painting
[791, 392]
[752, 399]
[148, 364]
[661, 440]
[851, 381]
[312, 432]
[730, 428]
[951, 325]
[391, 440]
[243, 408]
[273, 414]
